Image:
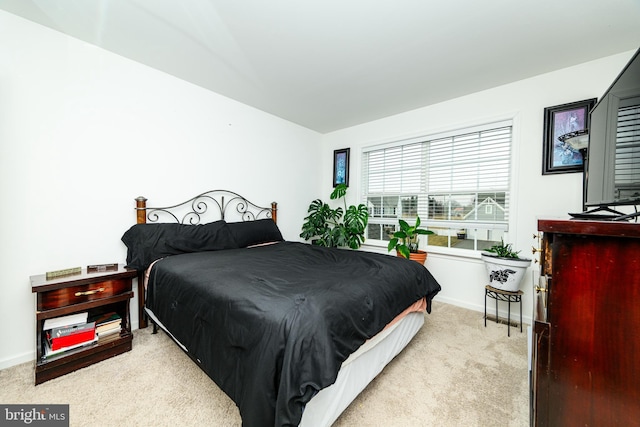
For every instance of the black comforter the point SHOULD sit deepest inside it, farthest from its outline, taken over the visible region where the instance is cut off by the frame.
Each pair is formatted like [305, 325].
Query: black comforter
[271, 325]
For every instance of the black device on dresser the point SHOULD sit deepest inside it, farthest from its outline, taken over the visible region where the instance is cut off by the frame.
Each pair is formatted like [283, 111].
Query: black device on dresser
[612, 165]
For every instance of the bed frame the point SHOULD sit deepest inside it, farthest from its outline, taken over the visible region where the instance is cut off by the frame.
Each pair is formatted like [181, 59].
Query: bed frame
[361, 367]
[206, 207]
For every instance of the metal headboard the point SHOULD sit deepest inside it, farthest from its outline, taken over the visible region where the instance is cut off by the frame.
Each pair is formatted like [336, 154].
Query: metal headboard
[214, 205]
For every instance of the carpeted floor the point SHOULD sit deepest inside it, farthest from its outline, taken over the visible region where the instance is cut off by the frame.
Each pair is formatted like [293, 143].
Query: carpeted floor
[455, 372]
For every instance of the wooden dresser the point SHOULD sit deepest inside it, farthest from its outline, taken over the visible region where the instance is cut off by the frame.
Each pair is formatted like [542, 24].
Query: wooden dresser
[586, 334]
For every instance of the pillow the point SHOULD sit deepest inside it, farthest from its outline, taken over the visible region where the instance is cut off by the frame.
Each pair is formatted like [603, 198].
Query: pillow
[148, 242]
[248, 233]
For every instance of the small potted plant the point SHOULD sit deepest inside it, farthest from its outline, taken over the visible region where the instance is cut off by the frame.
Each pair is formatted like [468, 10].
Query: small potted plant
[504, 266]
[338, 227]
[405, 241]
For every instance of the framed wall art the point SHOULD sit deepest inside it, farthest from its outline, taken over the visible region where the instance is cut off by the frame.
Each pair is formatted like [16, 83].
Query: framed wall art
[559, 157]
[341, 167]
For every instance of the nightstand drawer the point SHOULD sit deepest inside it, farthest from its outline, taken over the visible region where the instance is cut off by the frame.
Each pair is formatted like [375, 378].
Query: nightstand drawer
[77, 294]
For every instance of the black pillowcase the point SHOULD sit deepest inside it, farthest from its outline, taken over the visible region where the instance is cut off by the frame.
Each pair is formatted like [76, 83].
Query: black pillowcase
[149, 242]
[249, 233]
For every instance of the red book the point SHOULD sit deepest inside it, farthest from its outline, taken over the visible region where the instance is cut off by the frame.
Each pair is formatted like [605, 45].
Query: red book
[73, 339]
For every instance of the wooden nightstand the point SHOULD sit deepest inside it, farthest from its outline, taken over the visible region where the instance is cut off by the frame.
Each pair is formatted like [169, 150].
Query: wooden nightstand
[96, 293]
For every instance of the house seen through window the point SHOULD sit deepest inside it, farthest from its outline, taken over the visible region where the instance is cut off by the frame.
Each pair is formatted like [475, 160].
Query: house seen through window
[458, 183]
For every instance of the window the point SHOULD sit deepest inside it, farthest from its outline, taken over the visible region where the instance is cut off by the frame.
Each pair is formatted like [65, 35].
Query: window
[458, 183]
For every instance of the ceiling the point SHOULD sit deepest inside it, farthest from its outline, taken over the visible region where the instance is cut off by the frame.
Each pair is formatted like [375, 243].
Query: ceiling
[332, 64]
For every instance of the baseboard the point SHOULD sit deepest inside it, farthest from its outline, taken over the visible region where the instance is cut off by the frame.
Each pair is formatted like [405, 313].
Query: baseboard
[28, 356]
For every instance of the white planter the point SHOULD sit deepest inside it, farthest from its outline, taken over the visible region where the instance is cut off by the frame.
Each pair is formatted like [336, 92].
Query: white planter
[505, 273]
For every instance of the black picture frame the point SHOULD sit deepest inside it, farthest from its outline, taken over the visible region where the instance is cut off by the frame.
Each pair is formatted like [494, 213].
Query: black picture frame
[341, 167]
[559, 157]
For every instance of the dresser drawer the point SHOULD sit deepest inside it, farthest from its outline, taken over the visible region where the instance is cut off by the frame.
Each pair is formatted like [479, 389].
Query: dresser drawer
[77, 294]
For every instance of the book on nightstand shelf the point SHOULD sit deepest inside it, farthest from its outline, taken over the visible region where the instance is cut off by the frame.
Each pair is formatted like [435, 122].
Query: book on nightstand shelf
[107, 324]
[108, 332]
[71, 330]
[78, 335]
[50, 352]
[114, 327]
[107, 321]
[111, 336]
[67, 332]
[66, 321]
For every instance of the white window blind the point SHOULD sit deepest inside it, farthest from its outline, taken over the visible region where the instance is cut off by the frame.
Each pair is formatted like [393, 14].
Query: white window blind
[468, 177]
[472, 162]
[396, 169]
[455, 181]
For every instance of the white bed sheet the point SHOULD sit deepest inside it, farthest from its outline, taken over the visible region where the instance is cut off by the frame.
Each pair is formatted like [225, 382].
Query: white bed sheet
[359, 370]
[355, 373]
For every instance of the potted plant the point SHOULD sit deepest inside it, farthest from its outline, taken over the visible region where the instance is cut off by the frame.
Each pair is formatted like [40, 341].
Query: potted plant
[405, 241]
[326, 226]
[504, 266]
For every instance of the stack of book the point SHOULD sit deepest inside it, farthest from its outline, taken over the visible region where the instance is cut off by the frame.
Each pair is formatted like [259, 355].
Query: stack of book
[108, 326]
[65, 333]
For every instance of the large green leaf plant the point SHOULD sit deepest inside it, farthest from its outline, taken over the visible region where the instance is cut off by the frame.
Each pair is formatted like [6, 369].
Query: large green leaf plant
[405, 240]
[326, 226]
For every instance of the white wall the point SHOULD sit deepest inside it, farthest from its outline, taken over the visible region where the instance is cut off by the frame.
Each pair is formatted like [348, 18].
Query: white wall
[83, 132]
[533, 195]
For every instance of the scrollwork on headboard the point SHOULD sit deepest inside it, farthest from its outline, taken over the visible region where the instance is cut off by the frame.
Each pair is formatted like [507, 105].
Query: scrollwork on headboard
[215, 205]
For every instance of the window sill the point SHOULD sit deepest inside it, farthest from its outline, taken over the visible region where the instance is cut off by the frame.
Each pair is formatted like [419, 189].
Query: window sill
[436, 250]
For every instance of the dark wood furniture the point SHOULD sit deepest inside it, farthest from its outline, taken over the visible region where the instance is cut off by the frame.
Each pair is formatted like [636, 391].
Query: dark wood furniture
[586, 335]
[94, 293]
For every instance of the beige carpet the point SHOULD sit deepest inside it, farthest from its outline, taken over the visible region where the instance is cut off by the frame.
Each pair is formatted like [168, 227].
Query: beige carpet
[455, 372]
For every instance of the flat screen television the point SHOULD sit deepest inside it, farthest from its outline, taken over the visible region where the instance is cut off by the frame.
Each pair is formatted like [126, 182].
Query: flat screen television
[612, 166]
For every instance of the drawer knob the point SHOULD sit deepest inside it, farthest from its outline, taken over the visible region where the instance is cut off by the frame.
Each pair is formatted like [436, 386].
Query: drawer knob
[91, 292]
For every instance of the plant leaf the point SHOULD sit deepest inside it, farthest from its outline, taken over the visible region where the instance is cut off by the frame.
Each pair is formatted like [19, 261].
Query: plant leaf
[423, 231]
[404, 251]
[339, 191]
[392, 244]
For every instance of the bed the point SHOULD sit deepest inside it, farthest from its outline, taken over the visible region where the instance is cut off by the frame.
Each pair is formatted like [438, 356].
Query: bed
[291, 332]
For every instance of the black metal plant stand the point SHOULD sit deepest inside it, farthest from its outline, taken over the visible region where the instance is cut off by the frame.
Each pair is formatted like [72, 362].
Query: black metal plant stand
[500, 295]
